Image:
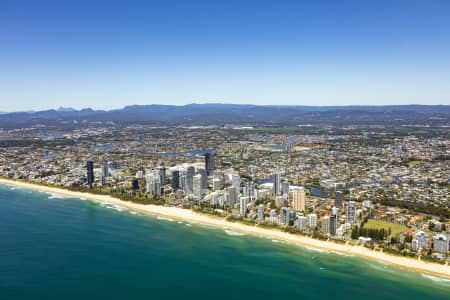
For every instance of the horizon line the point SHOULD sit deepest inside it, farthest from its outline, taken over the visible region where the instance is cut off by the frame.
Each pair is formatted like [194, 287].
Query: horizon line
[70, 108]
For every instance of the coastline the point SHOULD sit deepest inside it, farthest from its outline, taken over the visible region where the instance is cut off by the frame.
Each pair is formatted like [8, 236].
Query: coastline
[189, 215]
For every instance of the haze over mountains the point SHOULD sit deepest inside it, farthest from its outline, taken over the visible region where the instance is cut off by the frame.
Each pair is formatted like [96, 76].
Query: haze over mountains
[220, 114]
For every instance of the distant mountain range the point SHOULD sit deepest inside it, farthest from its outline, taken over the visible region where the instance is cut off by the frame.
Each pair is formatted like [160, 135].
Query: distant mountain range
[220, 114]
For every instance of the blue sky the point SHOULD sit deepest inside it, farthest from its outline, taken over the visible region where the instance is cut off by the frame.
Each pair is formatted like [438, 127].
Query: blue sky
[108, 54]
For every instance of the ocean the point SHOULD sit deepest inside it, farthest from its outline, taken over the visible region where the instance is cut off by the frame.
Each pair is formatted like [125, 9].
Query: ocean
[53, 247]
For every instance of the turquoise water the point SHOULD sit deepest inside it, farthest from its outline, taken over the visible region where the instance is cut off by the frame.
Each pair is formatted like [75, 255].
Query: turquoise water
[52, 248]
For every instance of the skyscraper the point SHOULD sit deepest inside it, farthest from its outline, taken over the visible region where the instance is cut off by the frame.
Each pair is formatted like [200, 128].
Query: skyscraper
[197, 185]
[285, 216]
[326, 225]
[276, 180]
[285, 187]
[189, 180]
[298, 199]
[302, 222]
[260, 214]
[351, 212]
[339, 199]
[90, 172]
[312, 220]
[203, 172]
[210, 163]
[216, 184]
[334, 220]
[333, 225]
[243, 201]
[153, 184]
[105, 170]
[161, 171]
[249, 190]
[236, 182]
[175, 181]
[440, 244]
[135, 184]
[335, 212]
[232, 195]
[422, 239]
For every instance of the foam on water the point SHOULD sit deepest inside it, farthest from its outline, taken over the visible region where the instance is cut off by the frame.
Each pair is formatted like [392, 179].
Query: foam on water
[436, 279]
[233, 233]
[116, 207]
[380, 267]
[164, 219]
[55, 196]
[119, 208]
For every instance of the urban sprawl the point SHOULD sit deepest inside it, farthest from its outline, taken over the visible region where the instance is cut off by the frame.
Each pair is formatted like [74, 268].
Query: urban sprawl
[375, 188]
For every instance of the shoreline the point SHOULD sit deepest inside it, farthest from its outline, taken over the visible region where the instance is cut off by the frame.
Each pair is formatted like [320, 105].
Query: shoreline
[406, 263]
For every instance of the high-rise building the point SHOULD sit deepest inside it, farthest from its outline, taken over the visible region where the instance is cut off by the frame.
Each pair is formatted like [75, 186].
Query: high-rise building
[440, 244]
[189, 180]
[135, 184]
[351, 212]
[243, 201]
[197, 185]
[216, 184]
[415, 245]
[276, 180]
[298, 199]
[90, 172]
[335, 212]
[104, 173]
[105, 170]
[312, 220]
[249, 190]
[210, 163]
[285, 187]
[260, 214]
[236, 182]
[175, 181]
[326, 225]
[140, 174]
[161, 171]
[153, 184]
[202, 171]
[232, 196]
[284, 216]
[422, 239]
[334, 220]
[339, 199]
[302, 222]
[333, 225]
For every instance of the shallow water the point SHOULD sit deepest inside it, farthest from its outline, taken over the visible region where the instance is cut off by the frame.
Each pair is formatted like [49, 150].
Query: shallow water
[63, 248]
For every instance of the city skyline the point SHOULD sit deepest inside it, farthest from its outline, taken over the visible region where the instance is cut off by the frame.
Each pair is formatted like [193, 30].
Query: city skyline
[111, 54]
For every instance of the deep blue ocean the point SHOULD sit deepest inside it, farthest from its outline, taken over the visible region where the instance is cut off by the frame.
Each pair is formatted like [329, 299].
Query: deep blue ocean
[63, 248]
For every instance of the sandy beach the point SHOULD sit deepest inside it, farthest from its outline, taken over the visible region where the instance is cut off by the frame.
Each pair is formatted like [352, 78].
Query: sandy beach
[189, 215]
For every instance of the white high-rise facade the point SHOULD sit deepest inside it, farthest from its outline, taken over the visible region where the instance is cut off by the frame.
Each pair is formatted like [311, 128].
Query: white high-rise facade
[312, 220]
[243, 201]
[298, 199]
[351, 212]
